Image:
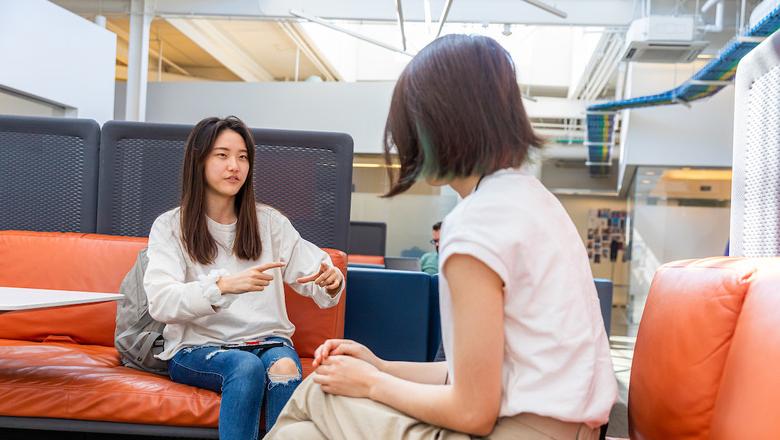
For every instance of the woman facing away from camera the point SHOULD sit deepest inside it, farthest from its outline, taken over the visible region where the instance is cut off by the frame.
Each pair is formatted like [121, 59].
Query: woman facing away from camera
[527, 354]
[217, 265]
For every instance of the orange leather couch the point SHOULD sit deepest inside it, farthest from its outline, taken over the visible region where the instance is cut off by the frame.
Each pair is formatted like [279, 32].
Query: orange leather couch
[366, 259]
[707, 352]
[60, 363]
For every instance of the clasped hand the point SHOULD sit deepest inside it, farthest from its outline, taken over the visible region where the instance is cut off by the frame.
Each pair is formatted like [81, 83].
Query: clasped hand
[347, 368]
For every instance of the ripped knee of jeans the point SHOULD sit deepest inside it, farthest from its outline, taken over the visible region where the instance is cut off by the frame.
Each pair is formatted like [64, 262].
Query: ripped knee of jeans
[214, 353]
[283, 371]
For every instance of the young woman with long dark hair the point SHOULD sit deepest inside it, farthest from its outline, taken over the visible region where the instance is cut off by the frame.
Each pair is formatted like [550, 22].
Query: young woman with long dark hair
[217, 265]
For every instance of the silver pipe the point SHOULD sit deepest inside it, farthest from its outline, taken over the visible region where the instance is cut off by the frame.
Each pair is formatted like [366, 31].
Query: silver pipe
[159, 57]
[321, 22]
[742, 13]
[610, 70]
[443, 17]
[399, 11]
[297, 63]
[708, 4]
[544, 6]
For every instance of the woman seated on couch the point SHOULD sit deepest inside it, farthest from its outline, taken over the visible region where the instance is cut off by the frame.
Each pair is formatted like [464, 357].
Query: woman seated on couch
[216, 270]
[527, 355]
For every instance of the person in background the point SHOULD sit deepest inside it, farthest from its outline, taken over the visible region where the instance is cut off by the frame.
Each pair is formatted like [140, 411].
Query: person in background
[527, 354]
[429, 262]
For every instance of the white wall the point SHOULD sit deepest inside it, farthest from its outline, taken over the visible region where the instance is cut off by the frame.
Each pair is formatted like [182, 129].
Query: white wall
[359, 109]
[675, 135]
[15, 104]
[55, 56]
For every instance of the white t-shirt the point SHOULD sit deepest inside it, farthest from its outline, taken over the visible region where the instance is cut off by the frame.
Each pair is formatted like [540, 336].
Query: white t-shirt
[183, 293]
[556, 355]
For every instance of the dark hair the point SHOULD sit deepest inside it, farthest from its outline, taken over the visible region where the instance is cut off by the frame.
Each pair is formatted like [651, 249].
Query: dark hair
[197, 240]
[437, 226]
[457, 111]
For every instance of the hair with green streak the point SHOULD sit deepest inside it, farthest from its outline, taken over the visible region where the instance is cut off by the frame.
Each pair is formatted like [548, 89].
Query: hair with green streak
[430, 163]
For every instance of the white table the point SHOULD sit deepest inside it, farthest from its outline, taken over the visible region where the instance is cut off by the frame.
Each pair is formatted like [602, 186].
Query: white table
[16, 298]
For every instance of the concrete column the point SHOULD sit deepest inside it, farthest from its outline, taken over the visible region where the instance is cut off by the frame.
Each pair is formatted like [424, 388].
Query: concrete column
[141, 14]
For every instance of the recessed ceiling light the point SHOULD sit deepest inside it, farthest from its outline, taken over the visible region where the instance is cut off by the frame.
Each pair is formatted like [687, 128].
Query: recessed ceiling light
[646, 182]
[649, 173]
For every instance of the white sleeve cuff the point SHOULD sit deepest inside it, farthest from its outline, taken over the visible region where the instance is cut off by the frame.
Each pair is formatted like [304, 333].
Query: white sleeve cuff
[212, 293]
[323, 298]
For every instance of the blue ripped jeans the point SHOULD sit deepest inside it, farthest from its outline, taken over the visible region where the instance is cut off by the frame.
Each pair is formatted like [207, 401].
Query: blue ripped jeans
[243, 379]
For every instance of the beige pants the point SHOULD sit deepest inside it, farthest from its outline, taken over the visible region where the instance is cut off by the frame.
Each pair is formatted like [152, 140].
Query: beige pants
[314, 414]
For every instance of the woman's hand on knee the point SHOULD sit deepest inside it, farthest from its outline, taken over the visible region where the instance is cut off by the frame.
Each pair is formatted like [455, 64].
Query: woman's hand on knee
[347, 376]
[346, 347]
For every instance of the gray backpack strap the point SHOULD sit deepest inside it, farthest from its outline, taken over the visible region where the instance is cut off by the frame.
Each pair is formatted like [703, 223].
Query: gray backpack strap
[137, 334]
[147, 347]
[137, 328]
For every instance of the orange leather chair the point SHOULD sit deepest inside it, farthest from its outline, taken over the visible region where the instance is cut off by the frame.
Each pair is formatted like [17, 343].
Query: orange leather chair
[707, 352]
[61, 363]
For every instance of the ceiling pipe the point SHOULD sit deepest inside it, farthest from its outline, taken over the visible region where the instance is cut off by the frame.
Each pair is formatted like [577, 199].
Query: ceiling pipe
[545, 7]
[611, 66]
[742, 12]
[708, 4]
[443, 17]
[605, 68]
[576, 92]
[427, 11]
[399, 12]
[718, 26]
[349, 32]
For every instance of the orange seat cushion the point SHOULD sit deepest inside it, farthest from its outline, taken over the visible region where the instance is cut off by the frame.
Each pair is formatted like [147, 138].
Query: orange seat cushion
[749, 392]
[86, 382]
[66, 261]
[61, 362]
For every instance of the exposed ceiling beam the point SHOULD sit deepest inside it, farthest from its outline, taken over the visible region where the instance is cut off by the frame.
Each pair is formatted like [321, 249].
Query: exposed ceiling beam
[121, 50]
[211, 39]
[545, 7]
[576, 88]
[298, 36]
[121, 74]
[609, 13]
[349, 32]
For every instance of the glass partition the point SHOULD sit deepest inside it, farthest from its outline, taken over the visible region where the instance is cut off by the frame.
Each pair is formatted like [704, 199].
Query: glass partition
[676, 214]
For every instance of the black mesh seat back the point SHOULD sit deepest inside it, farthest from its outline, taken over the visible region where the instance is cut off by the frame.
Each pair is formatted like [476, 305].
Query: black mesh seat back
[308, 177]
[48, 173]
[305, 175]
